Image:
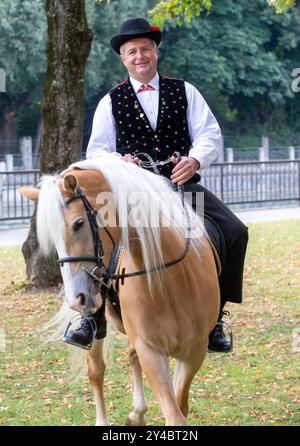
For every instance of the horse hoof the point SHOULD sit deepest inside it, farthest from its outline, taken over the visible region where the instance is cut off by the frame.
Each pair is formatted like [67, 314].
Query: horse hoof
[132, 421]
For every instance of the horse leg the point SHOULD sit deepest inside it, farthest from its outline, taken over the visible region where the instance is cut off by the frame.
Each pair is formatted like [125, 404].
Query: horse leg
[155, 365]
[184, 374]
[136, 416]
[96, 369]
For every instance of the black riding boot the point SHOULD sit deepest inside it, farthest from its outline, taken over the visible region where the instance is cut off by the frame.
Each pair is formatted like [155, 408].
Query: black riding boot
[218, 342]
[84, 335]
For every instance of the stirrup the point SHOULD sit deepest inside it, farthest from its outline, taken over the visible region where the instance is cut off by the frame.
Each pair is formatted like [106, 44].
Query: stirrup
[224, 313]
[226, 330]
[67, 338]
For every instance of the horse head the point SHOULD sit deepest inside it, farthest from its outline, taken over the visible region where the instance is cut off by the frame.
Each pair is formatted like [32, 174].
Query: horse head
[63, 222]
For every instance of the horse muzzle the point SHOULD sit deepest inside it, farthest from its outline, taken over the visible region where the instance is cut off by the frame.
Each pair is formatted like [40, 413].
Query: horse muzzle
[87, 303]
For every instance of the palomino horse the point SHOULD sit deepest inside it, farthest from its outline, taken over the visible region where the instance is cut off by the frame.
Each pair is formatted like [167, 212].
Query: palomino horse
[167, 312]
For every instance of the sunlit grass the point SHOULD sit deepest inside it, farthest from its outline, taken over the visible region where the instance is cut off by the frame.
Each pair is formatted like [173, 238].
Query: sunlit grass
[257, 384]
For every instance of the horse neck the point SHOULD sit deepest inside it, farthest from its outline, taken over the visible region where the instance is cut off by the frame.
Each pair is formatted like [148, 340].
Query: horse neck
[172, 245]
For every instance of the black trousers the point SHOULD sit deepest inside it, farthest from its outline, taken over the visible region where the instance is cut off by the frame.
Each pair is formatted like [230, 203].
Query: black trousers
[236, 239]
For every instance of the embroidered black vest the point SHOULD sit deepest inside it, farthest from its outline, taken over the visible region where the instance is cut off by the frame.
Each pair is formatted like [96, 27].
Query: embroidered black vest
[134, 131]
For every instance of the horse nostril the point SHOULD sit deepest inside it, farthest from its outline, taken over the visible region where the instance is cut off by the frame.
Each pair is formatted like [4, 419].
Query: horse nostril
[82, 299]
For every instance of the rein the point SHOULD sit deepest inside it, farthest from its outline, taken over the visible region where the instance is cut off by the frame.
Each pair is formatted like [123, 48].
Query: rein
[151, 164]
[105, 277]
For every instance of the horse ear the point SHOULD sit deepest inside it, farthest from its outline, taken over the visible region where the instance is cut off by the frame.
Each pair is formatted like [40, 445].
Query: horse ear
[70, 183]
[32, 193]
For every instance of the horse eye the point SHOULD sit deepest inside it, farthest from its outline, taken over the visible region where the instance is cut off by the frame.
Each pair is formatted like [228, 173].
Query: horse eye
[77, 225]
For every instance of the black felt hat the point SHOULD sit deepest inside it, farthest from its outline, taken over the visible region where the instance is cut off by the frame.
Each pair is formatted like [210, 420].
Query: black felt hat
[134, 28]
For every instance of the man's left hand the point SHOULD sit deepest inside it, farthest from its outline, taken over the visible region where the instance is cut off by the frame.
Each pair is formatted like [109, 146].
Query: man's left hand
[184, 169]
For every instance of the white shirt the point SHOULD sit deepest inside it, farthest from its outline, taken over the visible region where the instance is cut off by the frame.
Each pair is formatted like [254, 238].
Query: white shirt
[204, 129]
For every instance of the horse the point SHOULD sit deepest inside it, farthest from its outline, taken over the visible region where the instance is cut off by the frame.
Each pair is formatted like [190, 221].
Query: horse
[170, 296]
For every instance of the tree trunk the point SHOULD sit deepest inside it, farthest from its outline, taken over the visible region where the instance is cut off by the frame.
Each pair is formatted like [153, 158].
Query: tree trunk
[68, 46]
[69, 42]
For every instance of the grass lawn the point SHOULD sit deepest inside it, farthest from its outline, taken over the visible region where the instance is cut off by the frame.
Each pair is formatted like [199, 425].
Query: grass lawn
[257, 384]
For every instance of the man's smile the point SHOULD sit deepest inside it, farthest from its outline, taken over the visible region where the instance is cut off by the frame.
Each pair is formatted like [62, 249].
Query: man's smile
[139, 56]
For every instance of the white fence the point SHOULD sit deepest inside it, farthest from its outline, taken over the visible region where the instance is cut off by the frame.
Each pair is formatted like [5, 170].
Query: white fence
[13, 206]
[252, 183]
[239, 184]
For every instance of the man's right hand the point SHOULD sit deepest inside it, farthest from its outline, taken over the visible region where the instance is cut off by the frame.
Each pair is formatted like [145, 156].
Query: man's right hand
[130, 159]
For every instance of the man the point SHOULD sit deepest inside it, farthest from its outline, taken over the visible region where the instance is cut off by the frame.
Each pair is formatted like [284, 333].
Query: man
[160, 115]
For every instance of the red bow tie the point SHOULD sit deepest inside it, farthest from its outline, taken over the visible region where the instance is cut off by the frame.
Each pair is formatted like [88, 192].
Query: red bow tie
[144, 87]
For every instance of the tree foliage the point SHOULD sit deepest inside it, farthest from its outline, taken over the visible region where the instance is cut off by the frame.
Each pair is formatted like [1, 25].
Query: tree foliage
[23, 27]
[181, 11]
[240, 55]
[282, 5]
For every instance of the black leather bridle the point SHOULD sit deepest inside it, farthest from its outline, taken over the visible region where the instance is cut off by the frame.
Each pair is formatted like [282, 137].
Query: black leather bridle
[98, 245]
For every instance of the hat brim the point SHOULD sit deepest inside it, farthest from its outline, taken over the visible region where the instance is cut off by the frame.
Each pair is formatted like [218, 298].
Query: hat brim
[117, 41]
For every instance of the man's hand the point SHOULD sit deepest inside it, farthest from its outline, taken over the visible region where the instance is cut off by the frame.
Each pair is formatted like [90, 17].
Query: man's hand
[184, 169]
[130, 159]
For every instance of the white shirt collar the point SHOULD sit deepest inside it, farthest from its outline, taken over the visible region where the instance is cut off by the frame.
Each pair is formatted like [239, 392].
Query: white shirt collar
[137, 84]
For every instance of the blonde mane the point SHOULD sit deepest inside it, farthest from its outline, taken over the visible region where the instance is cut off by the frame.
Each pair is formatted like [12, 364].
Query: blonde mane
[156, 199]
[50, 218]
[165, 207]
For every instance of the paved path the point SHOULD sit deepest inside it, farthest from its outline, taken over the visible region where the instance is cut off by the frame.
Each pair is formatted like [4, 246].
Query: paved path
[11, 236]
[254, 216]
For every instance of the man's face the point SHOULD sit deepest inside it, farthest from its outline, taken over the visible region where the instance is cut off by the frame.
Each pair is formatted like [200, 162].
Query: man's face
[140, 58]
